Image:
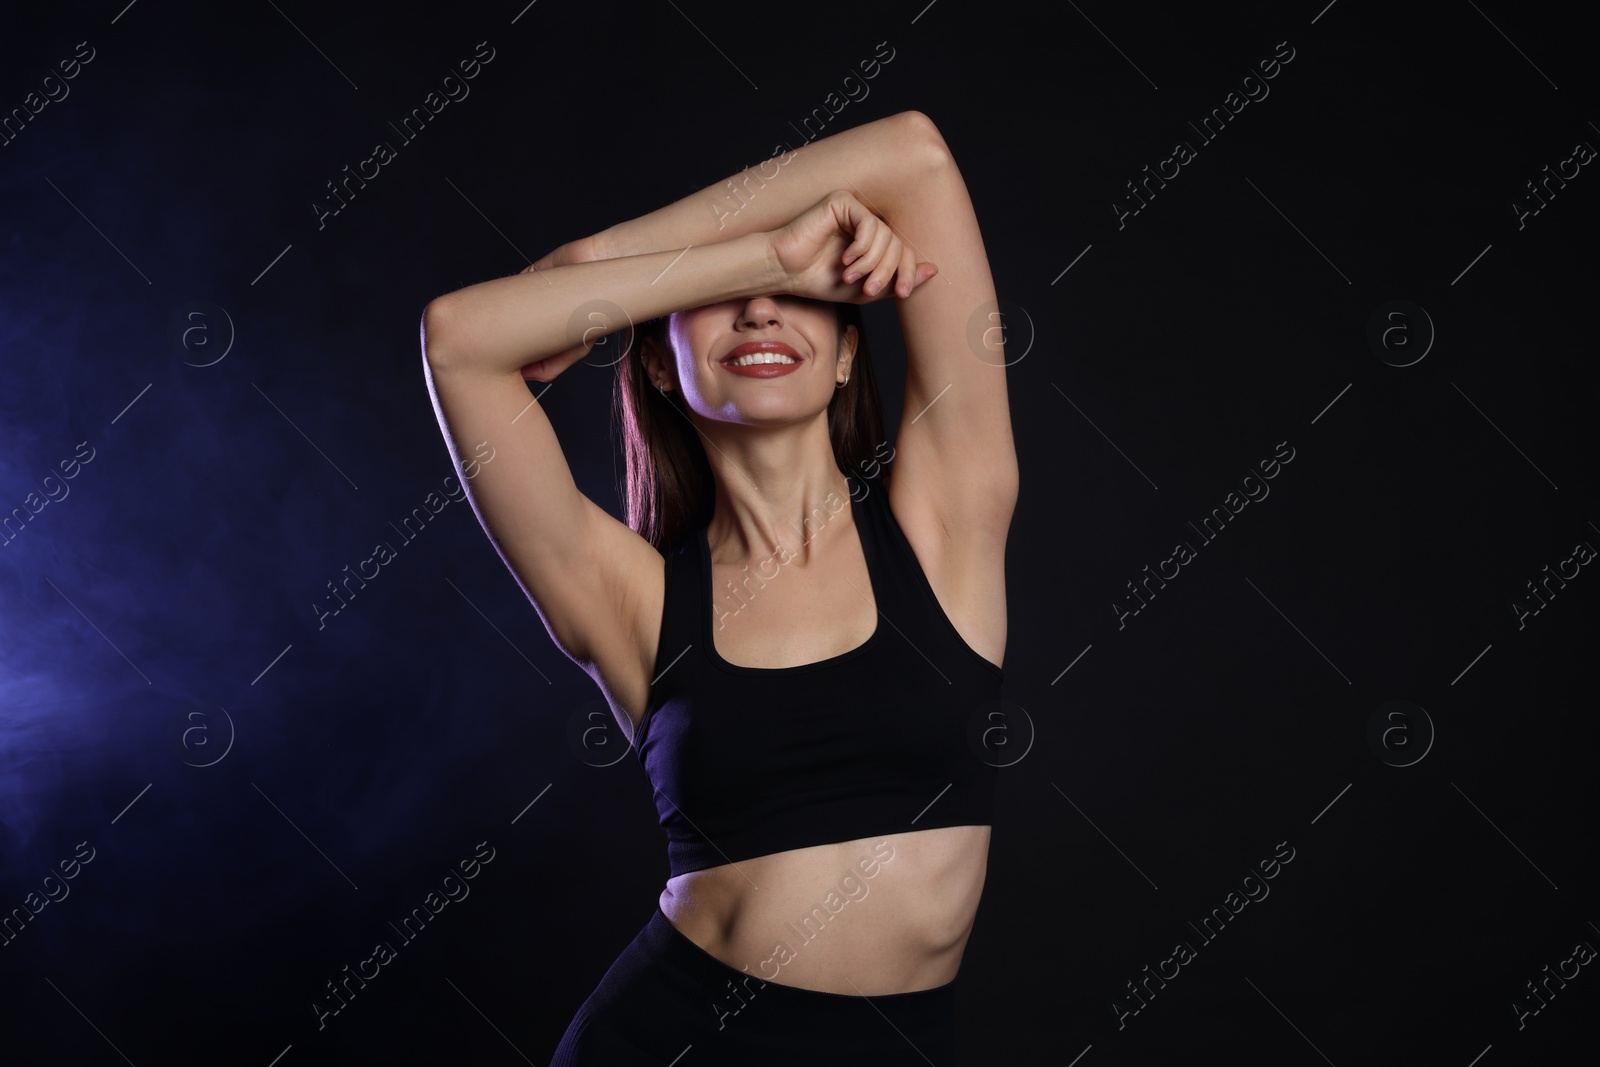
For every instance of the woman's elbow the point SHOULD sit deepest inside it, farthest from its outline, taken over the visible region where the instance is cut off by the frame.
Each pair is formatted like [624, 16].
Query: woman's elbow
[924, 139]
[435, 332]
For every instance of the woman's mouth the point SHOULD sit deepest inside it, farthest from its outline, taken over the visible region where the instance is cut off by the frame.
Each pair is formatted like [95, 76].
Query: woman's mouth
[762, 359]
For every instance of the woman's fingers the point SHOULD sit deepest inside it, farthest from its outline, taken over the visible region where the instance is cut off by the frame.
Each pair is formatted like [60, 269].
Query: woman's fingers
[879, 256]
[560, 256]
[839, 245]
[878, 265]
[547, 369]
[878, 262]
[858, 249]
[886, 255]
[906, 276]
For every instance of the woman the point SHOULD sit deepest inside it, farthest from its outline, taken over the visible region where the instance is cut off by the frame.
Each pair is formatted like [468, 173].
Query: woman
[809, 737]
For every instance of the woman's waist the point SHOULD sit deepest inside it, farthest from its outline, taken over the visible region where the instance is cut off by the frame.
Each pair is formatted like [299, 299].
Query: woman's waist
[868, 917]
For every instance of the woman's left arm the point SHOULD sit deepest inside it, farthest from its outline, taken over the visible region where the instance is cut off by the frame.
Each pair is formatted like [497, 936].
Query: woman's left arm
[879, 161]
[955, 461]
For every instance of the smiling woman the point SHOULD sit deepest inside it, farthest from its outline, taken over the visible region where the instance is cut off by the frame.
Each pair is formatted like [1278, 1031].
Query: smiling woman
[670, 484]
[833, 718]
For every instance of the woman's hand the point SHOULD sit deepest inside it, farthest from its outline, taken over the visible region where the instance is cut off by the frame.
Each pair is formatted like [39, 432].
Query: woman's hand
[583, 250]
[840, 252]
[545, 370]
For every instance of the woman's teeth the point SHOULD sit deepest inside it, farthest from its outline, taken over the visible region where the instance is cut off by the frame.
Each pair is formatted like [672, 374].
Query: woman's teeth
[761, 357]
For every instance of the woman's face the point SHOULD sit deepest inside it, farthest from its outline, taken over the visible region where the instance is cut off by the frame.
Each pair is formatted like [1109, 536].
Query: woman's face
[765, 359]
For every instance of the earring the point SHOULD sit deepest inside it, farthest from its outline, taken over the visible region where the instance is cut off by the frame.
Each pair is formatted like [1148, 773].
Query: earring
[841, 385]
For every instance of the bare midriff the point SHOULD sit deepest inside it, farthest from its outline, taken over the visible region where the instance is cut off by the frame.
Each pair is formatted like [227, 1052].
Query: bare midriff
[815, 918]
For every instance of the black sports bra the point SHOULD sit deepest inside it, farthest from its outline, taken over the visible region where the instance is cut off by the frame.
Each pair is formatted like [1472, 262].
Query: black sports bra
[885, 738]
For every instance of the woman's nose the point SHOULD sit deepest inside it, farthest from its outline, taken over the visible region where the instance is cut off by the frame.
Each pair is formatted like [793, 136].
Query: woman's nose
[761, 311]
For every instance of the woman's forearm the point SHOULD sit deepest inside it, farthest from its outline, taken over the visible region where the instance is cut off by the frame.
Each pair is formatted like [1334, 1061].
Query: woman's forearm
[503, 324]
[878, 161]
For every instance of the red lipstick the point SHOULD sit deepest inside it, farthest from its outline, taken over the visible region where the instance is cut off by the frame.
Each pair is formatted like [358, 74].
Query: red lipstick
[762, 370]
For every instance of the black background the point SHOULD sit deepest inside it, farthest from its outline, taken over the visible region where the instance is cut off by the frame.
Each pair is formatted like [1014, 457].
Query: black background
[1231, 714]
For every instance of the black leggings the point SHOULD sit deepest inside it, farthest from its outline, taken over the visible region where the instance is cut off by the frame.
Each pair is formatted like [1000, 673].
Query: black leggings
[668, 1001]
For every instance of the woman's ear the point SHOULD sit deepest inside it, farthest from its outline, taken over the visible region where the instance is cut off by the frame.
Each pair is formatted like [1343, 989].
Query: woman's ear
[847, 348]
[653, 356]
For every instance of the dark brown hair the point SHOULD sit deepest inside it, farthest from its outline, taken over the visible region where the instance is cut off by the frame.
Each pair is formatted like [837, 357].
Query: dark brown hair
[669, 492]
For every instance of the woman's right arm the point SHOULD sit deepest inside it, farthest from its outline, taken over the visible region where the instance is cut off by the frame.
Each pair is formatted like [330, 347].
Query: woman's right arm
[503, 324]
[595, 582]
